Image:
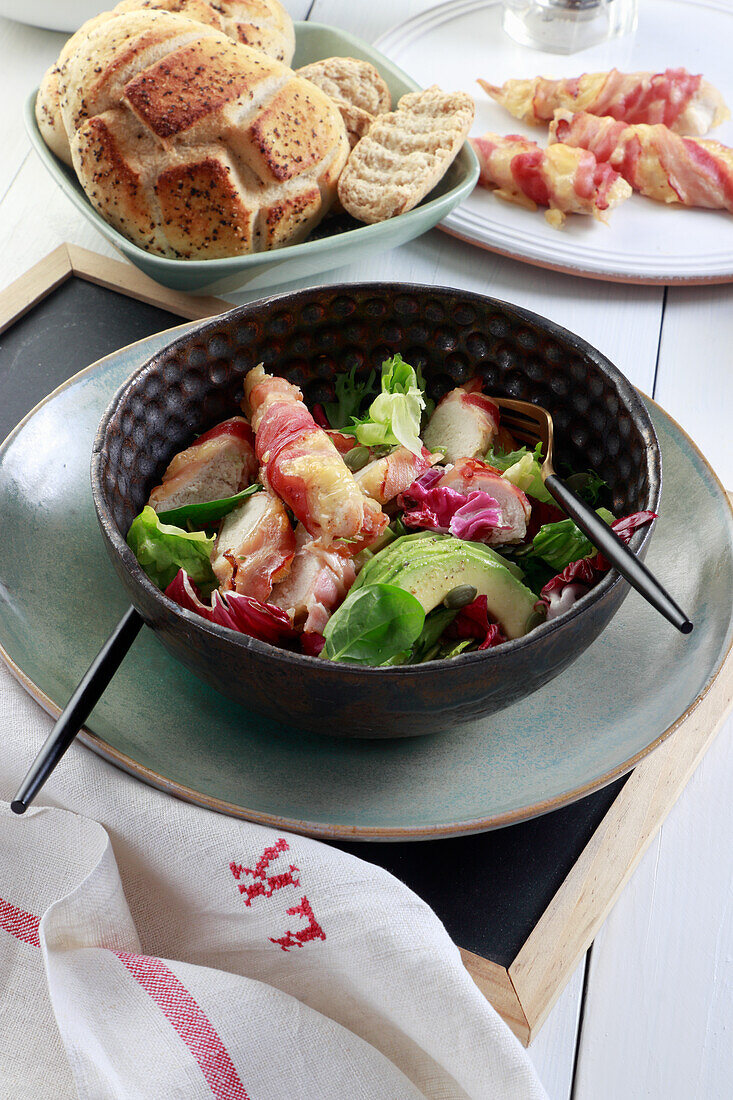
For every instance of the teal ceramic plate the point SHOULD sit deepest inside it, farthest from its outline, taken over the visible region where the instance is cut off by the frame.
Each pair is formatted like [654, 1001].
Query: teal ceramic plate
[59, 599]
[268, 269]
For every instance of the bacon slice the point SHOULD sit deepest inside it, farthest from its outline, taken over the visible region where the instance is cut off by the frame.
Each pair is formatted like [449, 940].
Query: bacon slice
[303, 466]
[464, 423]
[254, 548]
[656, 161]
[469, 475]
[567, 180]
[219, 464]
[686, 103]
[384, 478]
[316, 584]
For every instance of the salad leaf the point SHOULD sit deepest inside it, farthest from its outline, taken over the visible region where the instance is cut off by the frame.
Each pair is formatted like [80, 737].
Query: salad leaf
[435, 623]
[502, 460]
[374, 624]
[201, 515]
[163, 549]
[350, 396]
[241, 613]
[560, 543]
[526, 475]
[474, 622]
[589, 485]
[395, 414]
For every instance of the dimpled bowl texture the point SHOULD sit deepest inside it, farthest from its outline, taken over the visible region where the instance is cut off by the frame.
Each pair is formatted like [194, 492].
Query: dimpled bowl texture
[309, 337]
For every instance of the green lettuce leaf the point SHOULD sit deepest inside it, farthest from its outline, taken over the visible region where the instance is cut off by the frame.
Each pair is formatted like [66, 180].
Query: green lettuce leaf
[522, 468]
[350, 396]
[395, 414]
[558, 544]
[163, 549]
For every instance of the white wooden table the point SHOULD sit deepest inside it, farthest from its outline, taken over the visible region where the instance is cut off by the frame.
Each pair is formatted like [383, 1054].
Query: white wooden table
[648, 1012]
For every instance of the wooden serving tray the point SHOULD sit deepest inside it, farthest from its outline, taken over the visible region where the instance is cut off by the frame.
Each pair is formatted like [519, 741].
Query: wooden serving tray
[523, 903]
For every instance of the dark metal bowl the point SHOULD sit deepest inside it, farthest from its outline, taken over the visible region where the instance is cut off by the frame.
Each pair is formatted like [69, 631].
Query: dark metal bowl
[309, 337]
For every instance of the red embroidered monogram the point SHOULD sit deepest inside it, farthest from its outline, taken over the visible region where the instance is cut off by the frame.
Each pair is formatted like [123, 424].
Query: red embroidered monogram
[187, 1018]
[297, 939]
[22, 925]
[264, 885]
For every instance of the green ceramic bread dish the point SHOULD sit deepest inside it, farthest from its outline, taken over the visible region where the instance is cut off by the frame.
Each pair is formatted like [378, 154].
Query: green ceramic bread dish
[335, 242]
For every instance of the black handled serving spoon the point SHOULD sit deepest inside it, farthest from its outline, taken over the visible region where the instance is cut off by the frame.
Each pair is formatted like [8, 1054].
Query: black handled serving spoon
[83, 701]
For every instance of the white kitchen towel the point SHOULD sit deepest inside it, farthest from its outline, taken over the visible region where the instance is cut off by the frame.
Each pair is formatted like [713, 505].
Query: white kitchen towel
[153, 949]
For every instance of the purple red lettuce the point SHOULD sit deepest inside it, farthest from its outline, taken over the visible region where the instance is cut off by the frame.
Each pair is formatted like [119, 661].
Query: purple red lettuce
[244, 614]
[576, 579]
[472, 516]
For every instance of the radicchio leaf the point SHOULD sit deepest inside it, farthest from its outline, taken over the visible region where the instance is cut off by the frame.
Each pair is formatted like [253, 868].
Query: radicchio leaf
[473, 622]
[240, 613]
[576, 579]
[471, 516]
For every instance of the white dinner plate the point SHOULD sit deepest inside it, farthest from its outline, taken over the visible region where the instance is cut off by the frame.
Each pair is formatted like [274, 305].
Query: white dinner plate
[645, 241]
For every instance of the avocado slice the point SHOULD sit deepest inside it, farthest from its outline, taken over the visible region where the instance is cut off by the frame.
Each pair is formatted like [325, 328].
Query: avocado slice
[429, 567]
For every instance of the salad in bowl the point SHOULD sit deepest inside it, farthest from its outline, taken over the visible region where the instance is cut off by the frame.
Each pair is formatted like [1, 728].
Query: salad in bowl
[379, 529]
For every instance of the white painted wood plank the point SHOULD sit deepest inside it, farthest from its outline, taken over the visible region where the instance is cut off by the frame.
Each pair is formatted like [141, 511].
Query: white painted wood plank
[694, 382]
[660, 995]
[26, 53]
[370, 19]
[553, 1051]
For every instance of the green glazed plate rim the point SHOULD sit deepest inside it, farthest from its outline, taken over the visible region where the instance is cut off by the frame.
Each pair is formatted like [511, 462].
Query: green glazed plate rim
[465, 163]
[341, 831]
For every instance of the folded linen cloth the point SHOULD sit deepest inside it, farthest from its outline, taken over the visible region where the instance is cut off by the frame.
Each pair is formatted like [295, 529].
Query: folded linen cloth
[153, 949]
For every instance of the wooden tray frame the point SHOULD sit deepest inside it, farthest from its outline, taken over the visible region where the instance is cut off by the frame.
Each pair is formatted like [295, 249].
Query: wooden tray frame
[524, 992]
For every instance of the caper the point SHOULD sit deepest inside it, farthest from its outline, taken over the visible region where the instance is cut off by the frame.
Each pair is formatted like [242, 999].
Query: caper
[460, 596]
[356, 458]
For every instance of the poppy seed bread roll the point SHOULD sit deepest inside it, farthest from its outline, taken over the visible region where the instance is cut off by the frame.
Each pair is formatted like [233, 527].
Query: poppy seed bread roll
[262, 24]
[196, 147]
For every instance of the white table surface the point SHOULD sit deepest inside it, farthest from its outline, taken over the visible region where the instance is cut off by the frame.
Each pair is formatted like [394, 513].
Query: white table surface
[648, 1013]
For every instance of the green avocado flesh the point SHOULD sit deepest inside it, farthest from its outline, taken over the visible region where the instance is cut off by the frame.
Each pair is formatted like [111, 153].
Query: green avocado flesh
[429, 566]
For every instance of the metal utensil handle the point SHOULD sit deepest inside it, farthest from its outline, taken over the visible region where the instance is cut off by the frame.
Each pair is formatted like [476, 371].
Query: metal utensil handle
[79, 707]
[612, 548]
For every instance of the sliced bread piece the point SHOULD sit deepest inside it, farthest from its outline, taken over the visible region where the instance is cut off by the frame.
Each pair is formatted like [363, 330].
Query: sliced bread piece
[404, 154]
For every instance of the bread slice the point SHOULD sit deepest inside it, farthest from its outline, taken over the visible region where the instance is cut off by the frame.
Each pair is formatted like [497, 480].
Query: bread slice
[352, 82]
[404, 154]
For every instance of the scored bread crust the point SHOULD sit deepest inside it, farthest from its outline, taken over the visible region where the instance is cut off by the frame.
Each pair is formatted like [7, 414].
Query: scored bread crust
[262, 24]
[196, 147]
[404, 154]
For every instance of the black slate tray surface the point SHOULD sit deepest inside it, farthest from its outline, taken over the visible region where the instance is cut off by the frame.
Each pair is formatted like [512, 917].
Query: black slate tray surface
[490, 890]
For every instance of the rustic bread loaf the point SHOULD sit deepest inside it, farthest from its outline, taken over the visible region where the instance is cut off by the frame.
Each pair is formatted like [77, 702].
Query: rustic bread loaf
[404, 154]
[262, 24]
[355, 86]
[194, 146]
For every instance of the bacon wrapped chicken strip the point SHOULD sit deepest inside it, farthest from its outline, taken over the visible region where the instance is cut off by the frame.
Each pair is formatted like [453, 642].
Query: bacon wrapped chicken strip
[469, 475]
[219, 464]
[316, 584]
[686, 103]
[464, 423]
[303, 466]
[383, 479]
[566, 180]
[656, 161]
[254, 547]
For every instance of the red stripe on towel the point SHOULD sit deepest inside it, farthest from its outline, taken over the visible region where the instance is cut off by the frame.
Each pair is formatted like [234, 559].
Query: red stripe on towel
[187, 1018]
[22, 925]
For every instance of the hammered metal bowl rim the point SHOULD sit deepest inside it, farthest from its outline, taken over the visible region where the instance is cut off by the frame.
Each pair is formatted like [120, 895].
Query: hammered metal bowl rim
[626, 392]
